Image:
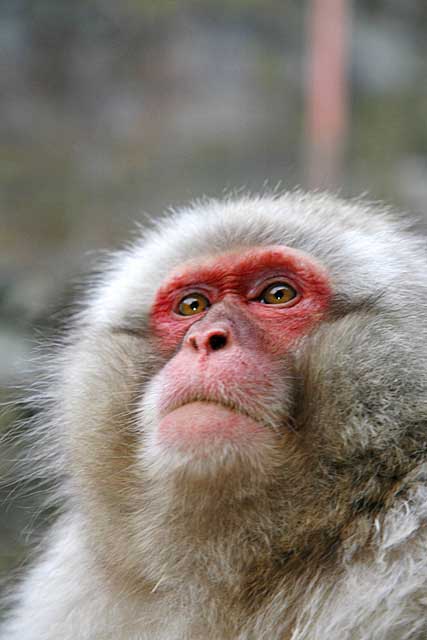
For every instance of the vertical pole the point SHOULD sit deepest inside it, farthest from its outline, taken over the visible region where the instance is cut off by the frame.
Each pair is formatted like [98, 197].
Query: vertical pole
[326, 97]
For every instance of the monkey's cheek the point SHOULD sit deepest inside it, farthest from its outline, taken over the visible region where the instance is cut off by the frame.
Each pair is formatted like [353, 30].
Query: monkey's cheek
[200, 427]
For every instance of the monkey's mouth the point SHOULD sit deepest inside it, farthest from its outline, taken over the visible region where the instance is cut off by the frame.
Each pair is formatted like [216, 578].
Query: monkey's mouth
[225, 403]
[201, 423]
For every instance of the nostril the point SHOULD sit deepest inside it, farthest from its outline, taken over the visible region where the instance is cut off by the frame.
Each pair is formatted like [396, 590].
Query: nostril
[193, 343]
[217, 341]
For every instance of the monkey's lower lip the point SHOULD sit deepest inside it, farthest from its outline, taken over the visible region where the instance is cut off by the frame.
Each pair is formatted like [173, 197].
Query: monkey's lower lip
[202, 423]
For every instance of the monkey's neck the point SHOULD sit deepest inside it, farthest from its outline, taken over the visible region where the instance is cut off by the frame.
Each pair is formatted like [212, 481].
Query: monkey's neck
[235, 535]
[228, 551]
[228, 548]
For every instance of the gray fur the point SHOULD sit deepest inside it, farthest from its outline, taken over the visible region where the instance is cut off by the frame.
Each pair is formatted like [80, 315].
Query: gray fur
[323, 539]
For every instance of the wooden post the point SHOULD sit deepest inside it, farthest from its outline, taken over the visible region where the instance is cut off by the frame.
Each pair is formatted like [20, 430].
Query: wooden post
[326, 91]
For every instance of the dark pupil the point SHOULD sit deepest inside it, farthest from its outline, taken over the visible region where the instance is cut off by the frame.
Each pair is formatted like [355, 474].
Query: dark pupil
[278, 293]
[194, 305]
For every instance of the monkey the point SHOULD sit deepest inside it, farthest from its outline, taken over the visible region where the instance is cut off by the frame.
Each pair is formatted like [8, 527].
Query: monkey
[236, 422]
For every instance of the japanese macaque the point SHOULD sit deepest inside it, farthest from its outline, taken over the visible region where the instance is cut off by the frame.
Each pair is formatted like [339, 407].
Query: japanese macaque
[237, 422]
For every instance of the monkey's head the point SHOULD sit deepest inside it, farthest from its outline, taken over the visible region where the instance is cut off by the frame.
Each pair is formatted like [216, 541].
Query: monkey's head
[257, 365]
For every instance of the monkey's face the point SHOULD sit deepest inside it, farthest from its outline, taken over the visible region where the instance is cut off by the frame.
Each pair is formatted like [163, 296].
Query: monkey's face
[229, 326]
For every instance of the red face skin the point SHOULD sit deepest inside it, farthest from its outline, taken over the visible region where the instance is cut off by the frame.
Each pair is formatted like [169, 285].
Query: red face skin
[232, 353]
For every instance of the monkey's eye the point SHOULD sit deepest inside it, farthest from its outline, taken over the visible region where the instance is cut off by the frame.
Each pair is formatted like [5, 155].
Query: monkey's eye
[277, 293]
[192, 304]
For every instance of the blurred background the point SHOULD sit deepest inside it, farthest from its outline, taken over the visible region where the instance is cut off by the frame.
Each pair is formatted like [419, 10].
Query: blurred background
[110, 111]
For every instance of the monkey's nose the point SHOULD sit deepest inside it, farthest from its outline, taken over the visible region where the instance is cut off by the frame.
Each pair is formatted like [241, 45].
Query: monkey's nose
[207, 340]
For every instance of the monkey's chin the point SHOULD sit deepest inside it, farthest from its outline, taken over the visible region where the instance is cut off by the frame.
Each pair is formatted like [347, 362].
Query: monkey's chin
[200, 427]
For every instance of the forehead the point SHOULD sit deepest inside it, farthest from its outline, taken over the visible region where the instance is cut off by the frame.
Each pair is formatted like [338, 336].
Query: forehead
[239, 263]
[203, 237]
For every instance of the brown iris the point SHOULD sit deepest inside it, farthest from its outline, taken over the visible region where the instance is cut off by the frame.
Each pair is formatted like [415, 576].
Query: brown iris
[278, 293]
[192, 304]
